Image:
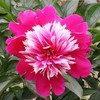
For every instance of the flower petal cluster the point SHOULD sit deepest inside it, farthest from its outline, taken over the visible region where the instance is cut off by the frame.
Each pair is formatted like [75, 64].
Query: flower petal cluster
[48, 47]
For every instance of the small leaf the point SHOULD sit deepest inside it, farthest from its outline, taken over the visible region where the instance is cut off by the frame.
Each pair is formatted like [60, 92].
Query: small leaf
[70, 7]
[2, 42]
[3, 26]
[73, 85]
[92, 82]
[4, 5]
[27, 94]
[8, 3]
[88, 91]
[92, 14]
[47, 2]
[90, 1]
[17, 91]
[70, 96]
[30, 4]
[58, 8]
[96, 34]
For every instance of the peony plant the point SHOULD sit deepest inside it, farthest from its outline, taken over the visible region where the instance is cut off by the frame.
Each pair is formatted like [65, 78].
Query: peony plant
[48, 47]
[49, 50]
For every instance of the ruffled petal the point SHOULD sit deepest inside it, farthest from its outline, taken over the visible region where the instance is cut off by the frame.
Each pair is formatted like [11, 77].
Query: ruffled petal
[84, 47]
[57, 84]
[26, 20]
[47, 15]
[16, 28]
[16, 45]
[82, 68]
[42, 85]
[75, 24]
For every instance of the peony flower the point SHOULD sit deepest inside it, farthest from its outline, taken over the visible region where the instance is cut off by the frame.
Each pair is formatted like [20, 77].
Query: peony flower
[48, 47]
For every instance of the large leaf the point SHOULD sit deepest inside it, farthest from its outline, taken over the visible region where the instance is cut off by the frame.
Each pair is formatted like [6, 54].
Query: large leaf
[70, 7]
[95, 96]
[73, 85]
[3, 84]
[92, 14]
[88, 91]
[8, 96]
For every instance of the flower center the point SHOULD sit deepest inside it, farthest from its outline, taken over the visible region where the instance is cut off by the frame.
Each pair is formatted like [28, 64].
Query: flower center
[48, 49]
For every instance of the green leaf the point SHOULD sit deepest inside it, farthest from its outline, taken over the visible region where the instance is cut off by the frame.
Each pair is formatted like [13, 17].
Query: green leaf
[17, 91]
[3, 84]
[88, 91]
[3, 26]
[12, 65]
[96, 34]
[8, 96]
[3, 12]
[73, 85]
[4, 5]
[95, 96]
[92, 14]
[48, 2]
[7, 84]
[27, 94]
[8, 3]
[39, 98]
[92, 82]
[70, 7]
[30, 4]
[70, 96]
[58, 8]
[90, 1]
[2, 42]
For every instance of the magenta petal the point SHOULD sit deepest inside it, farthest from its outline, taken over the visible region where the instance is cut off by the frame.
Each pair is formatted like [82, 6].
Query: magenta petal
[80, 28]
[15, 46]
[57, 84]
[42, 85]
[26, 17]
[30, 75]
[84, 47]
[82, 68]
[17, 29]
[72, 20]
[22, 67]
[26, 20]
[9, 40]
[75, 24]
[47, 15]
